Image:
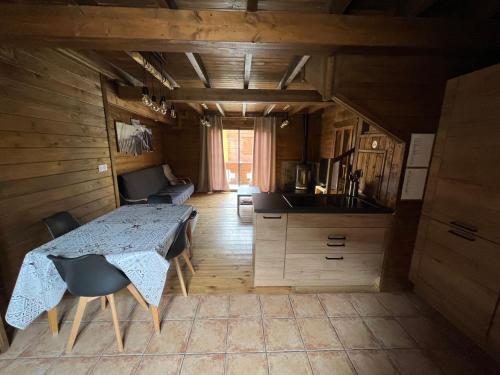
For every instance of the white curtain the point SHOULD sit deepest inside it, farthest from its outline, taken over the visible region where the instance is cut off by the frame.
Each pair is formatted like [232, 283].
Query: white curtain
[212, 166]
[264, 154]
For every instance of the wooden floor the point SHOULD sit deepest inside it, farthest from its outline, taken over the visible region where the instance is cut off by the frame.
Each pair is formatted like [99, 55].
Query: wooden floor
[222, 248]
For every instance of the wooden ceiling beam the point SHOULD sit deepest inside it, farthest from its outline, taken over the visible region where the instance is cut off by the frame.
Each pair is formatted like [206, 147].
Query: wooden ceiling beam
[200, 95]
[199, 68]
[141, 60]
[298, 108]
[197, 107]
[338, 6]
[158, 61]
[157, 29]
[293, 69]
[98, 64]
[247, 70]
[269, 109]
[220, 109]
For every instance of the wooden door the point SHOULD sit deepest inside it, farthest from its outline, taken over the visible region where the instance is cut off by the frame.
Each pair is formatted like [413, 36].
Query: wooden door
[372, 162]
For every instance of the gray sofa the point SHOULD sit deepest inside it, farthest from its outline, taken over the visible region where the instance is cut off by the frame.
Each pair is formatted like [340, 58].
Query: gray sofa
[137, 186]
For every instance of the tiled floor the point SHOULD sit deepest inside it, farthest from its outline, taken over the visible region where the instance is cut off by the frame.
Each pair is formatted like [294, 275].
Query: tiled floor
[325, 334]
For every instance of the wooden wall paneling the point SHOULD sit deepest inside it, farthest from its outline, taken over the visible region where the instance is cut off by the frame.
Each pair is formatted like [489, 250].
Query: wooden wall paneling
[182, 144]
[127, 163]
[111, 137]
[290, 140]
[52, 139]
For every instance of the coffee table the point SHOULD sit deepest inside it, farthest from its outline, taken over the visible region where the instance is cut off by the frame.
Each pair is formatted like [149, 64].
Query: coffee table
[245, 191]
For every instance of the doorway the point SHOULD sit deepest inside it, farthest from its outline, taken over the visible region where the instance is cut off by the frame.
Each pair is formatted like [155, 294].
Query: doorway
[238, 156]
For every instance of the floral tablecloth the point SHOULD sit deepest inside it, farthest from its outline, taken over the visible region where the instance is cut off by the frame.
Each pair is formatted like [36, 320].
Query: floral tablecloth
[133, 238]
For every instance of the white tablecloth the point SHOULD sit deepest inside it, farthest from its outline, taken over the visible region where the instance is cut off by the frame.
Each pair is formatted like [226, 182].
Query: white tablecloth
[133, 238]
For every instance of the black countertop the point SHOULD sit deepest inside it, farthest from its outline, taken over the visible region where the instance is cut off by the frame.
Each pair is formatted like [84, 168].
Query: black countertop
[310, 203]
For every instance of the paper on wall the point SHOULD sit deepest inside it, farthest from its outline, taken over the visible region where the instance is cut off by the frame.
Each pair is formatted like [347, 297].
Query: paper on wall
[419, 154]
[414, 183]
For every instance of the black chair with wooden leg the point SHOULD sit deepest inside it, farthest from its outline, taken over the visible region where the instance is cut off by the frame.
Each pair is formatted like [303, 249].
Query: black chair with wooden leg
[90, 277]
[159, 199]
[179, 248]
[60, 223]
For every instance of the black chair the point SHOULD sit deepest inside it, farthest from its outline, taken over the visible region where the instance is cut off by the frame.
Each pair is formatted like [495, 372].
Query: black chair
[179, 248]
[61, 223]
[90, 277]
[189, 230]
[159, 199]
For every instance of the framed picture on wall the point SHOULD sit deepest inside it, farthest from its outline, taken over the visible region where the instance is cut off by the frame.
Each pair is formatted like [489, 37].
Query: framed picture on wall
[133, 139]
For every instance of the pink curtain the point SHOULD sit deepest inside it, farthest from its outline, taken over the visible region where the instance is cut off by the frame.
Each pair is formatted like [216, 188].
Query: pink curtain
[215, 156]
[264, 154]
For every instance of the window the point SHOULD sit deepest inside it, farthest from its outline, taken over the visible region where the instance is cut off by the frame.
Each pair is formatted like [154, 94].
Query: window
[238, 156]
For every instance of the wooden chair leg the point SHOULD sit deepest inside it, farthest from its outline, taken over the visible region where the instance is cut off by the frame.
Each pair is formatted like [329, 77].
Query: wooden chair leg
[179, 275]
[133, 290]
[53, 323]
[103, 303]
[188, 261]
[82, 303]
[116, 323]
[156, 318]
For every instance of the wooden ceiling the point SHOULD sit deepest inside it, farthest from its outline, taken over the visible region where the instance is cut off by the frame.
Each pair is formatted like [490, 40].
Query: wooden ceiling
[211, 69]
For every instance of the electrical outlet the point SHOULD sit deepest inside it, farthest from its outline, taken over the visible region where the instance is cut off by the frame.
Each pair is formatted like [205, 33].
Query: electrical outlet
[103, 168]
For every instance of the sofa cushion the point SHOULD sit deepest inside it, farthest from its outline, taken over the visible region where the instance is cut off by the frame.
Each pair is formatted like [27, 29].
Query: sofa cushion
[179, 193]
[142, 183]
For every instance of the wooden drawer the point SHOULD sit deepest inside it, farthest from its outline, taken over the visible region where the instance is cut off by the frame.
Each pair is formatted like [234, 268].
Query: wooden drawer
[328, 240]
[347, 269]
[338, 220]
[269, 262]
[270, 227]
[473, 205]
[465, 302]
[469, 256]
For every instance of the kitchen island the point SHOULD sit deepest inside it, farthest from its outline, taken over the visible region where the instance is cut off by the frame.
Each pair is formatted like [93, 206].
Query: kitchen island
[319, 241]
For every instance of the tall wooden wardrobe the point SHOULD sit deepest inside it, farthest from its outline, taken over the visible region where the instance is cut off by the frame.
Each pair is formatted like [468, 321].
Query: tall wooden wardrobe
[456, 262]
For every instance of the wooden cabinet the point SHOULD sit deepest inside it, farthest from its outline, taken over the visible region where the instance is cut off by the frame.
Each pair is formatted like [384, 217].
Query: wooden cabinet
[319, 249]
[456, 262]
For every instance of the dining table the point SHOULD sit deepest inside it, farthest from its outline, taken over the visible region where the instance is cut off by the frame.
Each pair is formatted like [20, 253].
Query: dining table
[133, 238]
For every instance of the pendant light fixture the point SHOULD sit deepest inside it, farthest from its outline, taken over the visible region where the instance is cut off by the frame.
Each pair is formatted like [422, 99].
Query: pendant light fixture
[173, 112]
[145, 99]
[163, 100]
[285, 121]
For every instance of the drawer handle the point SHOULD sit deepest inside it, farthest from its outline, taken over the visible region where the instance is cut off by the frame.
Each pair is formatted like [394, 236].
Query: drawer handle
[272, 217]
[334, 258]
[463, 225]
[462, 235]
[335, 244]
[336, 237]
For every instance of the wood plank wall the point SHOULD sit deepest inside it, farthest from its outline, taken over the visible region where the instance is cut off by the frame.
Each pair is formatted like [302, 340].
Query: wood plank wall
[181, 144]
[52, 139]
[333, 117]
[290, 140]
[125, 162]
[381, 165]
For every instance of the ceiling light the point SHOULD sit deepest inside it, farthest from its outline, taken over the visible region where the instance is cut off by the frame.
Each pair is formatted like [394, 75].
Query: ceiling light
[173, 112]
[154, 105]
[284, 123]
[146, 99]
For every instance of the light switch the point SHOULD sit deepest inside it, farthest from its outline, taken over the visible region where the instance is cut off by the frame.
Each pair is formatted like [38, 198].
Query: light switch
[103, 168]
